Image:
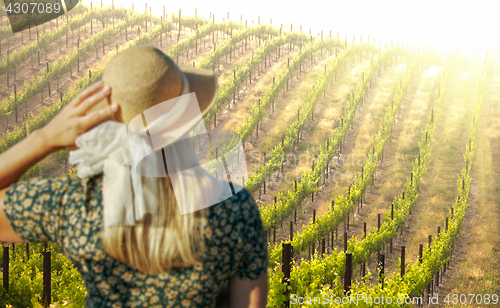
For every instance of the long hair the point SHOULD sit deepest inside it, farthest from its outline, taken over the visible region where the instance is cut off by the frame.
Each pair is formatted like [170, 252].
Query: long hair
[166, 239]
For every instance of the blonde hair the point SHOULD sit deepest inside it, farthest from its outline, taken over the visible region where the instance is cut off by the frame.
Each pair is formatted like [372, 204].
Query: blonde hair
[160, 241]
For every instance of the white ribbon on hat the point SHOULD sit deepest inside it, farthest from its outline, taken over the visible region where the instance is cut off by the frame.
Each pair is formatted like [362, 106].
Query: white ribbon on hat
[105, 149]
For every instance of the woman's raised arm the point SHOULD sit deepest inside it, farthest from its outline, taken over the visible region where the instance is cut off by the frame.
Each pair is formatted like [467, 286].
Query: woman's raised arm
[60, 133]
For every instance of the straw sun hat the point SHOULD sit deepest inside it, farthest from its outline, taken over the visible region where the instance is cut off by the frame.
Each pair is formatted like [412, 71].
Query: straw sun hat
[144, 82]
[143, 76]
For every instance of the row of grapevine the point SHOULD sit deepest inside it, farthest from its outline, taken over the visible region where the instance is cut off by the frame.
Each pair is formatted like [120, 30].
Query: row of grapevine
[260, 108]
[333, 266]
[231, 85]
[26, 20]
[403, 202]
[225, 91]
[36, 122]
[239, 36]
[344, 203]
[19, 56]
[62, 64]
[258, 112]
[343, 206]
[278, 154]
[289, 201]
[26, 278]
[203, 31]
[35, 85]
[420, 274]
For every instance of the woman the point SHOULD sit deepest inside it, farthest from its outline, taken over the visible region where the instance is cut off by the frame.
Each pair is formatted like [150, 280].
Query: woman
[150, 255]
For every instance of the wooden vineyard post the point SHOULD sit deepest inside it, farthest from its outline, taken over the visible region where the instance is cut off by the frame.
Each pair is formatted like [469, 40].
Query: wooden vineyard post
[78, 47]
[345, 241]
[348, 273]
[382, 265]
[403, 250]
[420, 252]
[287, 249]
[179, 35]
[291, 231]
[6, 268]
[47, 76]
[8, 68]
[347, 223]
[378, 224]
[46, 277]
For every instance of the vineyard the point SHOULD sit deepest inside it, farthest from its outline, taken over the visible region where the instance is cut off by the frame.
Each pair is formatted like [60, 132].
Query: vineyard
[374, 165]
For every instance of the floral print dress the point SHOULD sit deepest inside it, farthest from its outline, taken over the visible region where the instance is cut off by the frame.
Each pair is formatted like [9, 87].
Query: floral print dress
[68, 210]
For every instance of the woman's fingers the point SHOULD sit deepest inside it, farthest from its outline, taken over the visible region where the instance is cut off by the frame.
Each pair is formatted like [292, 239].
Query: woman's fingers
[91, 101]
[97, 117]
[86, 93]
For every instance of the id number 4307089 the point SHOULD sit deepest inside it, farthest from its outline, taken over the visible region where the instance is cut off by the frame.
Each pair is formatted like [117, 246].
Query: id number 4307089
[33, 8]
[471, 299]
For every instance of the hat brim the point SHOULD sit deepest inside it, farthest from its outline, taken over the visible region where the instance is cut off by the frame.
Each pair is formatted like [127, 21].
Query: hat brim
[203, 83]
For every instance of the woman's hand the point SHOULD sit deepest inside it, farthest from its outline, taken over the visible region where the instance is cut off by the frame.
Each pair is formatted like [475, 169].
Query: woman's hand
[73, 120]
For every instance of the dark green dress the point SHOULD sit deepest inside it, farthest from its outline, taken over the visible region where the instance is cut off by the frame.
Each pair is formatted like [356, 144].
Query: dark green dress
[68, 210]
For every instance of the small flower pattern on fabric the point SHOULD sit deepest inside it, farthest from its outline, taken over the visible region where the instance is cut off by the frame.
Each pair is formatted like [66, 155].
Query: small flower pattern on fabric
[68, 210]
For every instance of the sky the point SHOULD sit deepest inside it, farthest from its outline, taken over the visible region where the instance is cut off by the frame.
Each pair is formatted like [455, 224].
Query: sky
[444, 24]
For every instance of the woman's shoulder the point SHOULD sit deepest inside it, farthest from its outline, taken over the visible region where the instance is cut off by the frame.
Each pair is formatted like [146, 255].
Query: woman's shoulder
[55, 185]
[61, 181]
[240, 200]
[40, 208]
[239, 209]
